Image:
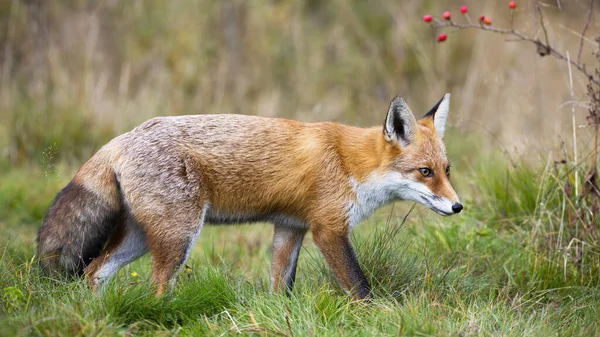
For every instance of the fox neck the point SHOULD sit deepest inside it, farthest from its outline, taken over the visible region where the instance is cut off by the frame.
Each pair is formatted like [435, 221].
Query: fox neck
[365, 151]
[367, 157]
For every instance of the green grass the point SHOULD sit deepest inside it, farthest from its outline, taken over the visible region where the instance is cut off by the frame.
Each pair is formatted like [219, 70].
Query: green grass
[480, 273]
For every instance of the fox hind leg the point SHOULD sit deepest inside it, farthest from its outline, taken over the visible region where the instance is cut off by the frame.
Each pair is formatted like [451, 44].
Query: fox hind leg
[171, 240]
[127, 244]
[286, 248]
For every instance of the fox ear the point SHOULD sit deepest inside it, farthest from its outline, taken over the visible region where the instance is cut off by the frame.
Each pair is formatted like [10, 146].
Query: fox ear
[439, 113]
[400, 124]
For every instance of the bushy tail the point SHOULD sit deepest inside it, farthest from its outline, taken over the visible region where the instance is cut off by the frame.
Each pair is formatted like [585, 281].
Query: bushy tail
[80, 220]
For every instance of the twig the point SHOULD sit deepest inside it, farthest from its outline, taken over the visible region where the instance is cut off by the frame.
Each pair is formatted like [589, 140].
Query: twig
[586, 39]
[234, 323]
[587, 23]
[543, 48]
[574, 127]
[512, 20]
[547, 46]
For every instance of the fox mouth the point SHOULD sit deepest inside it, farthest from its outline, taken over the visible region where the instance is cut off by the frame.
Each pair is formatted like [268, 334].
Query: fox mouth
[421, 194]
[443, 213]
[436, 209]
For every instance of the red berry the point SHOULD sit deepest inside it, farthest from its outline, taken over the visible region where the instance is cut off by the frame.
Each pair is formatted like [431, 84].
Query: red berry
[427, 18]
[512, 5]
[487, 20]
[447, 15]
[442, 37]
[481, 18]
[464, 9]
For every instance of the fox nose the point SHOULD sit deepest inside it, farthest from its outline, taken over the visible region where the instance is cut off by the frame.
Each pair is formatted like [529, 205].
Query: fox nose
[456, 208]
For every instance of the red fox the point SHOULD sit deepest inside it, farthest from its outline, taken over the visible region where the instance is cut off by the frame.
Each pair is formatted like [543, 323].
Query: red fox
[153, 188]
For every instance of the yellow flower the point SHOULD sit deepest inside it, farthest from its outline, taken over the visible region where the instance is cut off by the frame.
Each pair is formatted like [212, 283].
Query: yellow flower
[134, 274]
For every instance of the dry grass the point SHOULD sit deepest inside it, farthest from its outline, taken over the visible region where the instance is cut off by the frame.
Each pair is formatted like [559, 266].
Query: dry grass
[75, 74]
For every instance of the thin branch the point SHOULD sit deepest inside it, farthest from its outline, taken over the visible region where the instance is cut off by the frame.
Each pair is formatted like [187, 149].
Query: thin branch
[542, 47]
[586, 39]
[574, 126]
[587, 23]
[512, 20]
[537, 6]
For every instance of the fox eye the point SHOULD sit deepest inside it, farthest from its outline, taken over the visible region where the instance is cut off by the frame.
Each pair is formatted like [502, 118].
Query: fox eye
[426, 172]
[448, 171]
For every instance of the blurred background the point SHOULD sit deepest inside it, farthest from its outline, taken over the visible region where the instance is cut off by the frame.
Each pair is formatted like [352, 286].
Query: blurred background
[75, 74]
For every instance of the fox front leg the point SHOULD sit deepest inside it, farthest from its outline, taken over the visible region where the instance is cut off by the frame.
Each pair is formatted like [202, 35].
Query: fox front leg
[336, 247]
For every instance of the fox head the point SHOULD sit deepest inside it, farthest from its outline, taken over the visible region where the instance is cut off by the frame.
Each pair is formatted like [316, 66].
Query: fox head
[420, 171]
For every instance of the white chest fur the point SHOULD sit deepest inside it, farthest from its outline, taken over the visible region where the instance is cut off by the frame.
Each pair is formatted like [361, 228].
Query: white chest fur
[376, 191]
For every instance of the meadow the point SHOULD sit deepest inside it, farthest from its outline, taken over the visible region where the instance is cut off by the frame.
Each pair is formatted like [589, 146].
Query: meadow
[522, 259]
